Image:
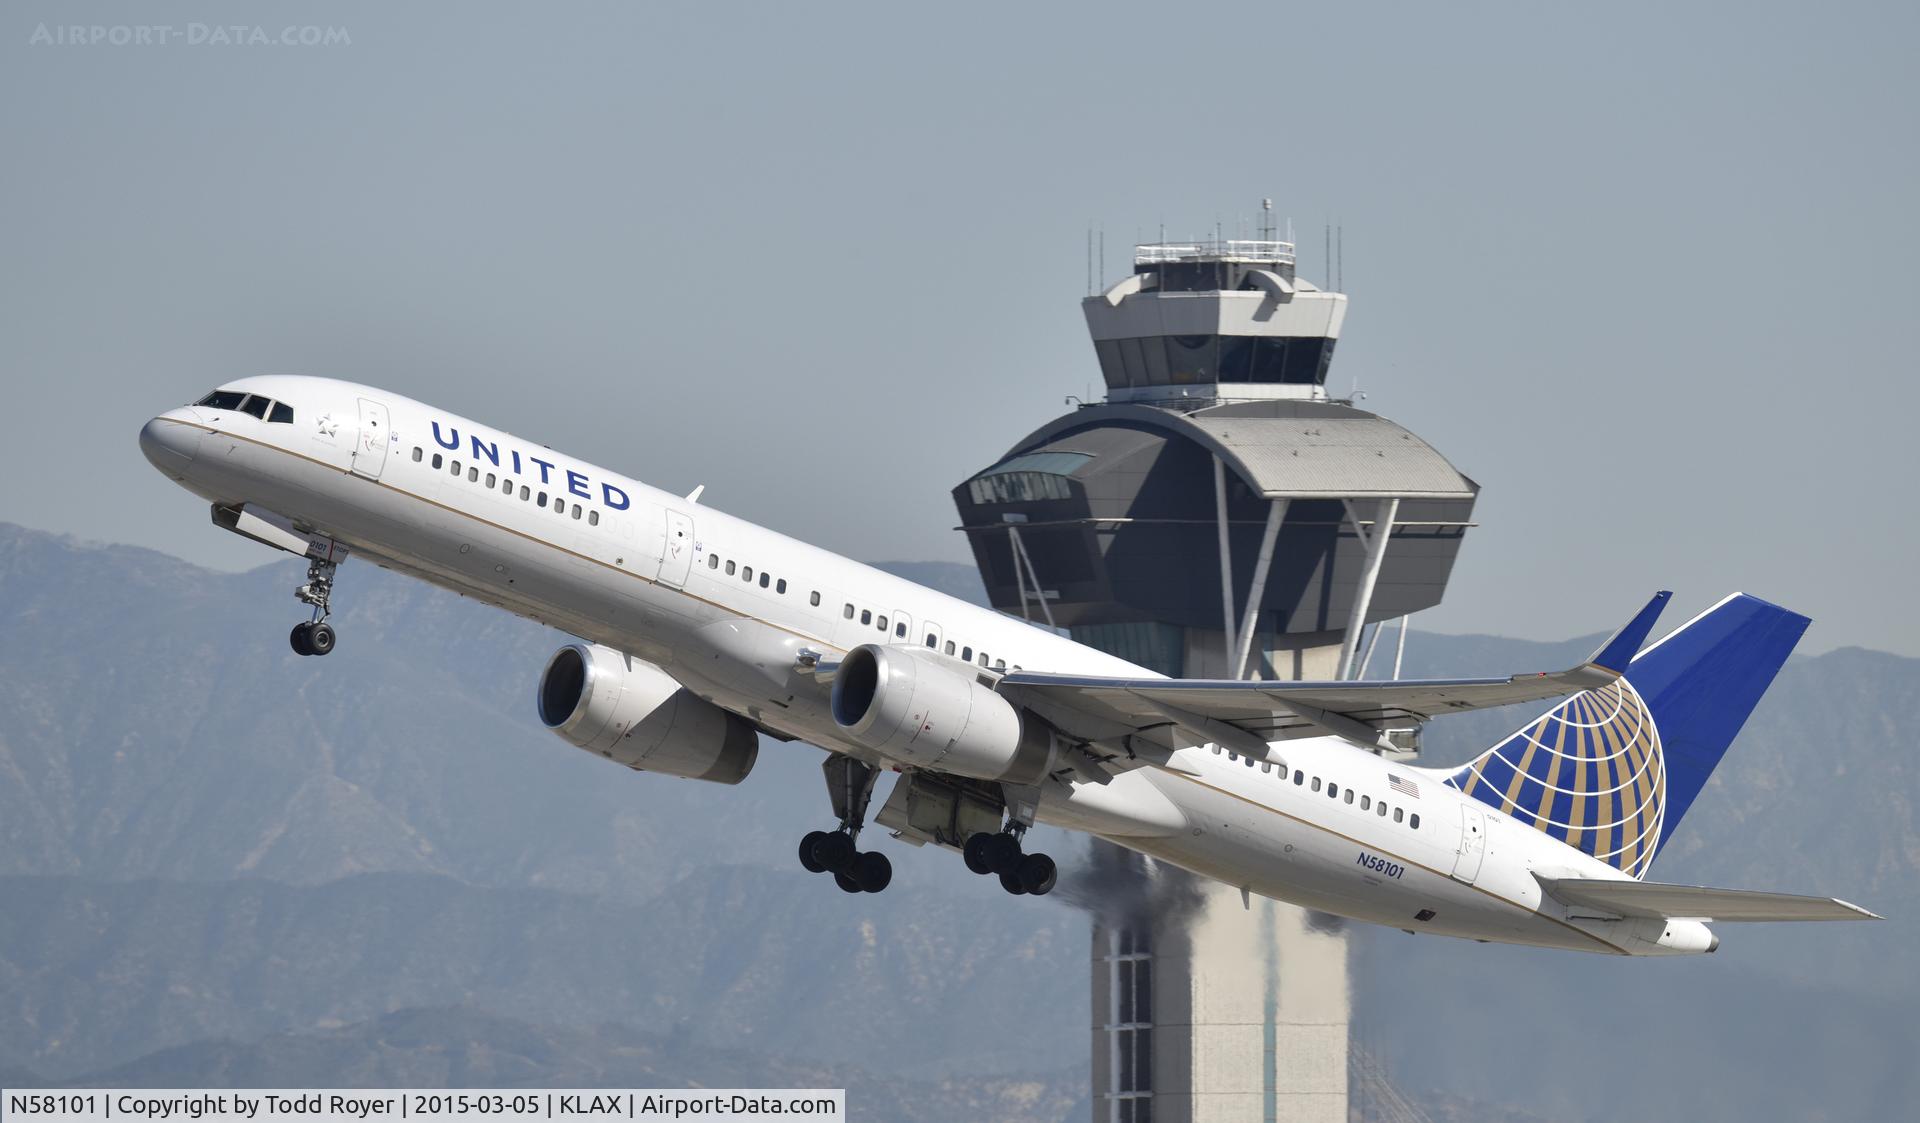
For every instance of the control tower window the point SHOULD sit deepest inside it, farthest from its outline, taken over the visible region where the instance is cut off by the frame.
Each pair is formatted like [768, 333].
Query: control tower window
[1025, 479]
[1193, 358]
[1185, 360]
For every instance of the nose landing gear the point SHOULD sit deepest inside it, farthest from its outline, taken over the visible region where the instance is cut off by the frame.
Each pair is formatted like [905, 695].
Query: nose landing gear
[315, 636]
[850, 786]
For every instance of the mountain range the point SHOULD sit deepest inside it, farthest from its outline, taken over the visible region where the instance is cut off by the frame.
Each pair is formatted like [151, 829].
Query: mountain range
[221, 863]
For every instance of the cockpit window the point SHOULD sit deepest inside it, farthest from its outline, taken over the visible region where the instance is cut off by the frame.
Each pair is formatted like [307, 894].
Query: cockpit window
[256, 405]
[222, 399]
[282, 414]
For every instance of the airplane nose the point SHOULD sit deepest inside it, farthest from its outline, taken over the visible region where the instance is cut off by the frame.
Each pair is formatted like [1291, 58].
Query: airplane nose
[169, 445]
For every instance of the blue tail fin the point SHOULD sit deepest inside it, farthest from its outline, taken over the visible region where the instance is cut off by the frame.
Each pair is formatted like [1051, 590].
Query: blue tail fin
[1611, 771]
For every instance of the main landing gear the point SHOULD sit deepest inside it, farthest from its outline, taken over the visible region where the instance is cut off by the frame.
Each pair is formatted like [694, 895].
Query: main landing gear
[1001, 854]
[315, 636]
[850, 786]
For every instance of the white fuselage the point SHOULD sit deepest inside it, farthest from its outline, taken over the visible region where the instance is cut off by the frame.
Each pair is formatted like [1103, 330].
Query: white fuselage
[665, 579]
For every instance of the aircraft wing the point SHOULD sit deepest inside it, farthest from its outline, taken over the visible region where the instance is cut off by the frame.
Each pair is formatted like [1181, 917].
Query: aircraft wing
[1244, 716]
[1695, 902]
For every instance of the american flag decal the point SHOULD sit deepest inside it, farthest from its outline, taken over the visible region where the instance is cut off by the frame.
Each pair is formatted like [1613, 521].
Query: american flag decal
[1405, 787]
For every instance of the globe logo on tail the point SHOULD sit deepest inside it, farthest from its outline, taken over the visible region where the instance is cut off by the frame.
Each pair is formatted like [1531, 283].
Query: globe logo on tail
[1590, 773]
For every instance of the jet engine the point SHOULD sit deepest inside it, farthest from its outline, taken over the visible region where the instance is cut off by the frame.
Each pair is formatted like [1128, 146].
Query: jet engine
[630, 711]
[916, 707]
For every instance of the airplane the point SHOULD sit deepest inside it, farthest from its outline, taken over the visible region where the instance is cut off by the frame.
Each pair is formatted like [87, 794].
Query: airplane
[699, 632]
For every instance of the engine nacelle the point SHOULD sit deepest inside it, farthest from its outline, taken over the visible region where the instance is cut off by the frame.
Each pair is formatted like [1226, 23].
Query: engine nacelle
[630, 711]
[911, 705]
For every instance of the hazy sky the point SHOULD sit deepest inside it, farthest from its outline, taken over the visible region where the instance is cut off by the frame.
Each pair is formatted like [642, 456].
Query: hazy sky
[1646, 272]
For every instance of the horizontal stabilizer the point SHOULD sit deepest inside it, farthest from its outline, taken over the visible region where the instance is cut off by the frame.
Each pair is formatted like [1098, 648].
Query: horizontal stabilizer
[1695, 902]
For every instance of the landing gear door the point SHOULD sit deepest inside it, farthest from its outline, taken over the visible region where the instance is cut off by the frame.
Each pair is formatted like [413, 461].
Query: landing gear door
[1473, 843]
[370, 450]
[676, 557]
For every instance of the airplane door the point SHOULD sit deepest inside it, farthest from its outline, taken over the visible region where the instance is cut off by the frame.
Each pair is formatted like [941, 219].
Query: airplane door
[370, 451]
[1473, 843]
[676, 559]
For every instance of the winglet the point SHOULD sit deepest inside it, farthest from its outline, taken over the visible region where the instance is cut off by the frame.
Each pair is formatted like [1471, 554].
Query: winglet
[1617, 652]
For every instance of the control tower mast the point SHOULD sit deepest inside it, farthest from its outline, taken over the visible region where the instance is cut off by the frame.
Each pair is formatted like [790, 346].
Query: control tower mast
[1217, 515]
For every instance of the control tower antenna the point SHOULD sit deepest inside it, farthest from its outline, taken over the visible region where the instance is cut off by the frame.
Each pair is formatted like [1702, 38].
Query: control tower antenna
[1340, 258]
[1326, 257]
[1090, 289]
[1103, 256]
[1266, 220]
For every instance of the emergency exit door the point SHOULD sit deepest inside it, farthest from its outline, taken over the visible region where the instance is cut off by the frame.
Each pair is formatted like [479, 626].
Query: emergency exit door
[1473, 843]
[370, 450]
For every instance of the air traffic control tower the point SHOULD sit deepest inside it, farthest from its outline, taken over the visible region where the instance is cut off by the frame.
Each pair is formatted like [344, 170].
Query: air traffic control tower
[1218, 515]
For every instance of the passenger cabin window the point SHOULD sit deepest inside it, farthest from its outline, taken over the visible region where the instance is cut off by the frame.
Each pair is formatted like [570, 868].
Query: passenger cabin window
[416, 455]
[730, 569]
[933, 640]
[593, 518]
[540, 500]
[1316, 783]
[576, 510]
[1398, 814]
[780, 586]
[1383, 810]
[436, 462]
[1413, 820]
[283, 415]
[473, 475]
[1299, 777]
[763, 579]
[813, 598]
[713, 561]
[966, 653]
[524, 491]
[881, 623]
[1333, 790]
[455, 465]
[492, 481]
[746, 574]
[1366, 803]
[1349, 795]
[900, 630]
[866, 616]
[949, 647]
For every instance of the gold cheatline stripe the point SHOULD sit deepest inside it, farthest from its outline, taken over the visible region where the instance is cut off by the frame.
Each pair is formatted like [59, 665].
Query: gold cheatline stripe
[536, 540]
[1180, 775]
[1612, 947]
